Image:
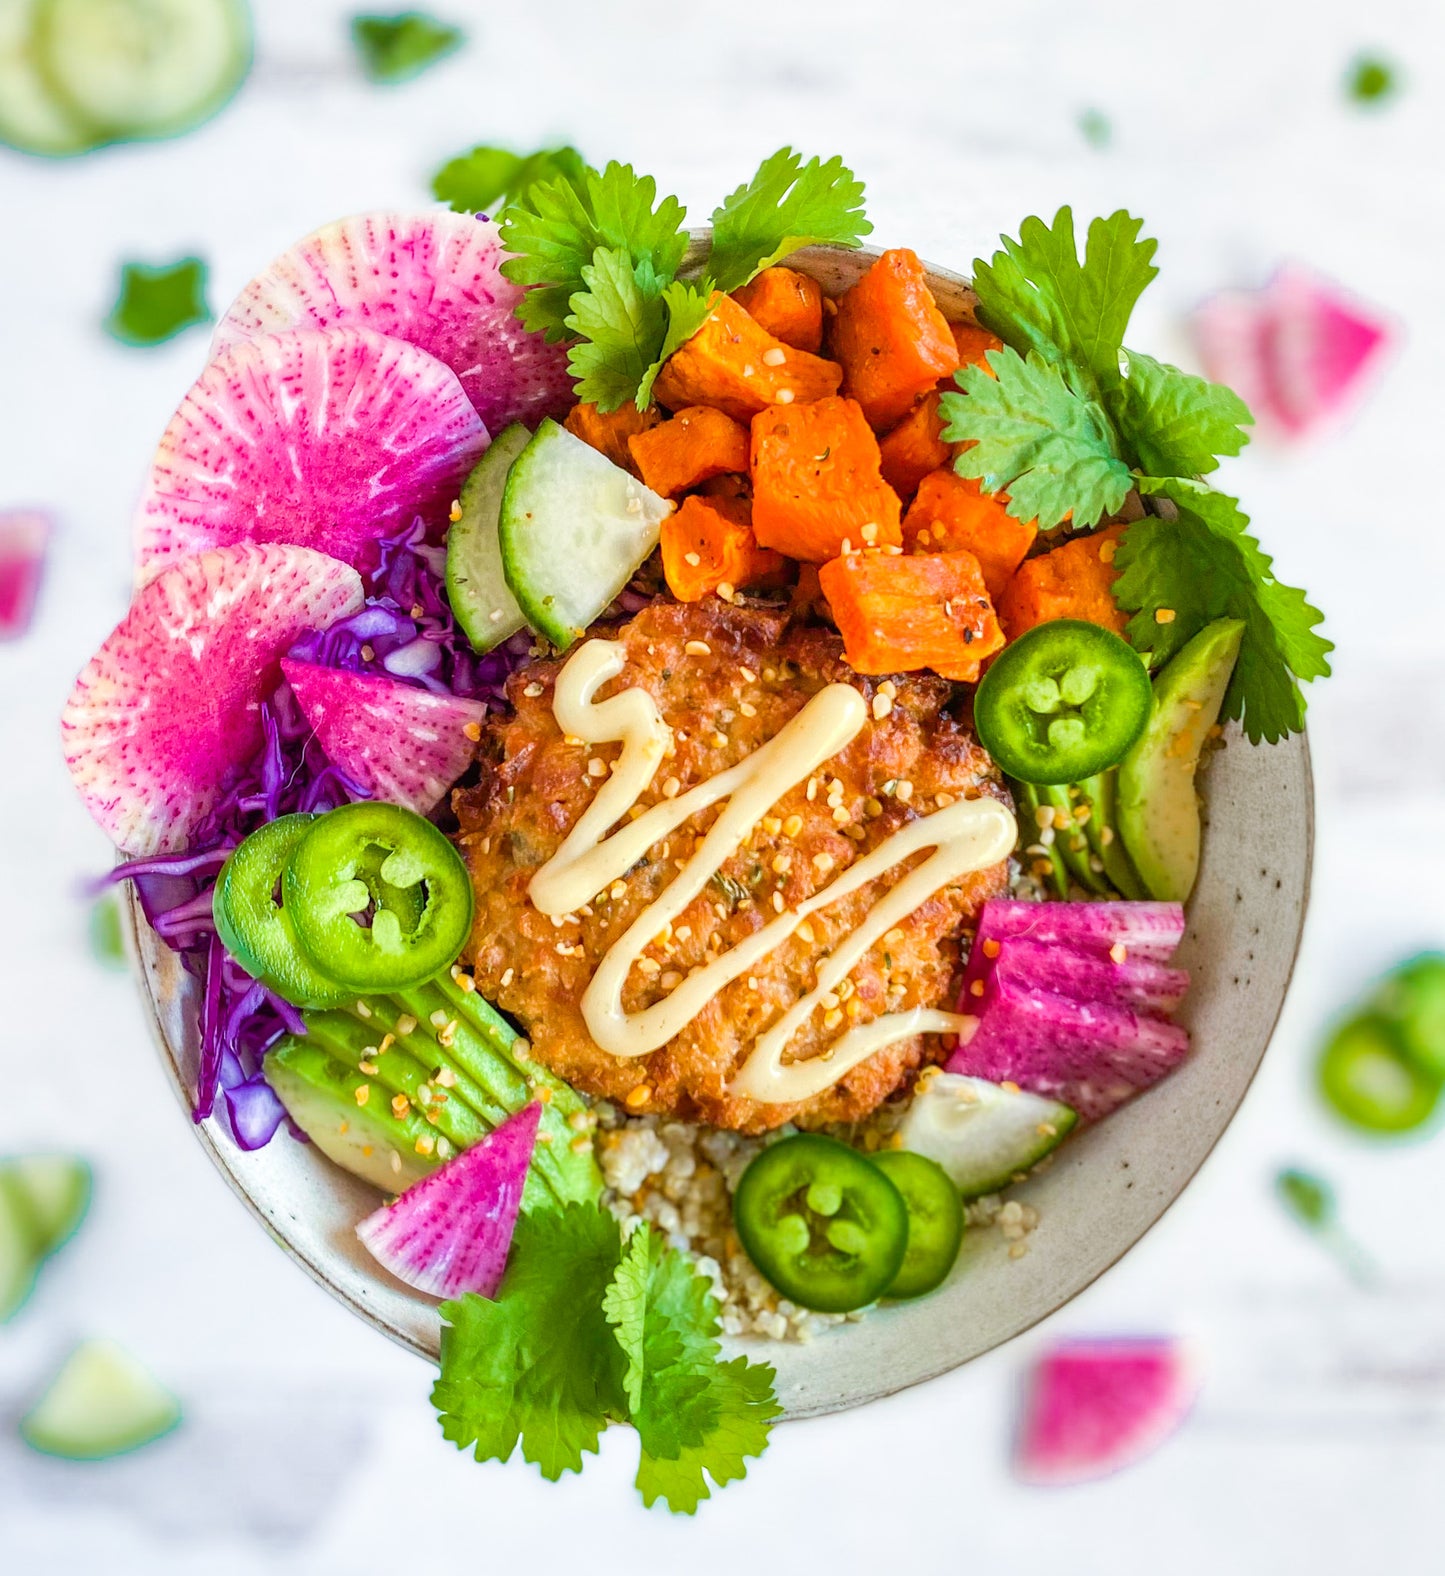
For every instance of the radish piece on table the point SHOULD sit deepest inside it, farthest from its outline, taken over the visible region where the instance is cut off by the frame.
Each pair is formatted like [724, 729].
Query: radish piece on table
[23, 537]
[433, 279]
[1094, 1406]
[451, 1232]
[322, 439]
[400, 743]
[1139, 983]
[1090, 1055]
[170, 706]
[1296, 351]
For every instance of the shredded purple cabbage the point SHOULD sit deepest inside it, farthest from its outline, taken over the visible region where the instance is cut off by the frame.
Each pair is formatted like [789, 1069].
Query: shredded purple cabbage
[405, 631]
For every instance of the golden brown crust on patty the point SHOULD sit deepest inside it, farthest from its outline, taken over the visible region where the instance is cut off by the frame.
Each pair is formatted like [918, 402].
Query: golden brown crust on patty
[758, 672]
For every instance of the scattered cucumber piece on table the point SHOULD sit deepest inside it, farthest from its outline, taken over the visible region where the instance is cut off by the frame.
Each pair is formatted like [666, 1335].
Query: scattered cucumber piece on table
[574, 529]
[32, 118]
[143, 68]
[101, 1403]
[56, 1191]
[935, 1220]
[1368, 1078]
[982, 1134]
[476, 585]
[20, 1254]
[1158, 808]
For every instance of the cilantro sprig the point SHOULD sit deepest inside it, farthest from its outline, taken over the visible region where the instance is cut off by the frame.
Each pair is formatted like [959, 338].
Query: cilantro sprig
[1072, 420]
[485, 178]
[588, 1329]
[601, 256]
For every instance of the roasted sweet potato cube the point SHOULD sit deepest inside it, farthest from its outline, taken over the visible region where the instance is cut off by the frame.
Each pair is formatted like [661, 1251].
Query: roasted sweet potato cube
[893, 342]
[786, 304]
[952, 513]
[735, 366]
[709, 542]
[898, 614]
[973, 345]
[695, 444]
[609, 433]
[817, 483]
[914, 447]
[1073, 581]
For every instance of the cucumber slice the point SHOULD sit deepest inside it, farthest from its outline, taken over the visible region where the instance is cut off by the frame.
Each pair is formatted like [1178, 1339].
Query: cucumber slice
[143, 68]
[55, 1190]
[101, 1403]
[32, 118]
[982, 1134]
[20, 1250]
[574, 529]
[476, 586]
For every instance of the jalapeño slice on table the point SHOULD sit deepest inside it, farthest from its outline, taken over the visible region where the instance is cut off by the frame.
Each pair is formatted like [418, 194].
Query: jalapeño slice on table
[378, 897]
[935, 1220]
[1062, 702]
[256, 930]
[822, 1223]
[1366, 1074]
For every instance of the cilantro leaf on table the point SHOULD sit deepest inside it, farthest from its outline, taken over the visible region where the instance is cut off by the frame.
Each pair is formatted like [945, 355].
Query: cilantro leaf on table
[556, 227]
[1172, 422]
[1036, 295]
[620, 323]
[625, 1306]
[398, 47]
[1371, 81]
[742, 1393]
[787, 205]
[1204, 565]
[487, 179]
[1033, 435]
[540, 1364]
[155, 304]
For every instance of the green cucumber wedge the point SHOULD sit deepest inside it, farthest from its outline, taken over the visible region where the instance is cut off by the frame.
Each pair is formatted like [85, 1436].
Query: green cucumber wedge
[20, 1253]
[476, 587]
[43, 1199]
[101, 1403]
[142, 68]
[1158, 808]
[574, 530]
[32, 116]
[982, 1134]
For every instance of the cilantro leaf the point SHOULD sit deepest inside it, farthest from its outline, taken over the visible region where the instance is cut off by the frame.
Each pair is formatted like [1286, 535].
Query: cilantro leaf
[620, 321]
[156, 304]
[787, 205]
[696, 1417]
[1371, 80]
[1035, 294]
[625, 1307]
[540, 1364]
[486, 179]
[1204, 565]
[556, 228]
[1176, 424]
[1029, 432]
[688, 308]
[399, 47]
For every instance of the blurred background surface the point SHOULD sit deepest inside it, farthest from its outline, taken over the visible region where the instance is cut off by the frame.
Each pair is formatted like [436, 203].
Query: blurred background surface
[1319, 1438]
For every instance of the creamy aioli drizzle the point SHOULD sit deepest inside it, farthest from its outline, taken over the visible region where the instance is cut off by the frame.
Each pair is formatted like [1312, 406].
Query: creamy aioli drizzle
[969, 834]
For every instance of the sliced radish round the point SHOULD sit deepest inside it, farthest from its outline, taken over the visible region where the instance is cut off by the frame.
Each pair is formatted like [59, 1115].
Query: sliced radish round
[431, 278]
[400, 743]
[1094, 1406]
[324, 438]
[23, 537]
[170, 706]
[451, 1232]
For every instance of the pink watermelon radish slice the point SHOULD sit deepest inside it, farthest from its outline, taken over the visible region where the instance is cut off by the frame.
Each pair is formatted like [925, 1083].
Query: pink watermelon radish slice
[1144, 930]
[1091, 1055]
[1094, 1406]
[24, 534]
[170, 706]
[326, 439]
[1139, 983]
[432, 279]
[450, 1233]
[400, 743]
[1297, 351]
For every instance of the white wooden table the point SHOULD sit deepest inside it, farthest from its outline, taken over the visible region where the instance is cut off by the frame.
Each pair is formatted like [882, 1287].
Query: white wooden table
[1319, 1442]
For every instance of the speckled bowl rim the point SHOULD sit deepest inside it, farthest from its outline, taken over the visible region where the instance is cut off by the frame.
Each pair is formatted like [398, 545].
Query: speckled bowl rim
[830, 265]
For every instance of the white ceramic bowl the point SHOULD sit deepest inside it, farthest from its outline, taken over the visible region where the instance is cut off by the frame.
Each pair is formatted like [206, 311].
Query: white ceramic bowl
[1107, 1187]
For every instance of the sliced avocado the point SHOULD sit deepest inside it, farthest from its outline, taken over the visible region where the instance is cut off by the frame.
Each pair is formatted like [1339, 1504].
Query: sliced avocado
[369, 1140]
[1158, 808]
[1101, 794]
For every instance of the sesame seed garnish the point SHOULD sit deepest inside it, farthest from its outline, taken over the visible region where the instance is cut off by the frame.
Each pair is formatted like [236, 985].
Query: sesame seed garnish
[747, 708]
[472, 730]
[363, 1093]
[777, 902]
[400, 1105]
[367, 1066]
[1009, 1086]
[903, 791]
[943, 800]
[406, 1024]
[792, 826]
[991, 949]
[782, 863]
[426, 1144]
[522, 1049]
[829, 999]
[445, 1077]
[670, 980]
[580, 1145]
[508, 977]
[812, 792]
[395, 1161]
[840, 814]
[869, 533]
[1163, 615]
[749, 370]
[805, 929]
[533, 691]
[719, 741]
[544, 1095]
[725, 590]
[774, 357]
[846, 548]
[698, 648]
[693, 559]
[976, 989]
[894, 938]
[832, 1019]
[823, 862]
[1107, 551]
[597, 767]
[638, 1096]
[882, 705]
[784, 397]
[362, 1009]
[649, 966]
[748, 676]
[1106, 835]
[455, 512]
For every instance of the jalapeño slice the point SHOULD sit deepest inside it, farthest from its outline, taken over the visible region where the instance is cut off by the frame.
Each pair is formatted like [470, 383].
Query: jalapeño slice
[935, 1220]
[379, 899]
[1062, 702]
[1366, 1074]
[822, 1223]
[256, 930]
